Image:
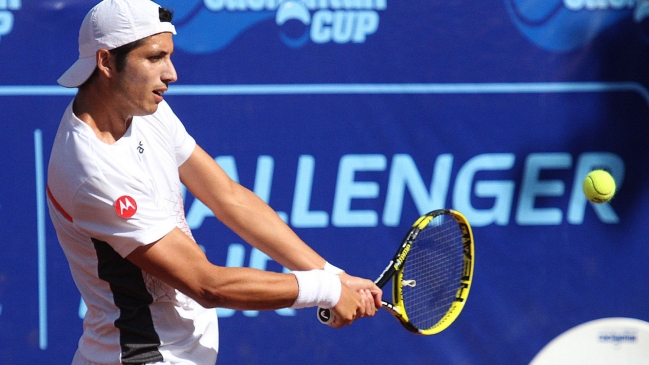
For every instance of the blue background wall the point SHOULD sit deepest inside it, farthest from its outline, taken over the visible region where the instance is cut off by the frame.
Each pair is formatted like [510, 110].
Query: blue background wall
[497, 108]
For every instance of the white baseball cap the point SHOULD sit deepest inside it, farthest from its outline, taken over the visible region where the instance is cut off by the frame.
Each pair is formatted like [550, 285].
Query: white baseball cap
[111, 24]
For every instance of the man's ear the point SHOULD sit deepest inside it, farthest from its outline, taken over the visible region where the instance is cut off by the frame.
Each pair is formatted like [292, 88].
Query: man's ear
[105, 63]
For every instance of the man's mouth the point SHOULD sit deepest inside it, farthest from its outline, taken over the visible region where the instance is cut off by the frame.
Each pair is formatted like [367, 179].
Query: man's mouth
[159, 92]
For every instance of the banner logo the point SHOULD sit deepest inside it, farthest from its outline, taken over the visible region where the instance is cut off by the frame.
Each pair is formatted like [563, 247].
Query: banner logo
[207, 26]
[566, 25]
[6, 16]
[618, 337]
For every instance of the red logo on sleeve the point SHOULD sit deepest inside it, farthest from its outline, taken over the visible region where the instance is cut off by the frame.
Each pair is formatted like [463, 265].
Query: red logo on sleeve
[125, 206]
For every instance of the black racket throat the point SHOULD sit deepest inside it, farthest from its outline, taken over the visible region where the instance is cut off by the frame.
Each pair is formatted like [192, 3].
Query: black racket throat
[399, 259]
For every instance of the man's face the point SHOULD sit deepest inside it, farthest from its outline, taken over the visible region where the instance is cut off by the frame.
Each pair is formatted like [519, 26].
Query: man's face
[148, 71]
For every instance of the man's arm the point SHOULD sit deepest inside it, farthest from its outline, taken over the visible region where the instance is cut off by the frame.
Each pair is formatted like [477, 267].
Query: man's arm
[245, 213]
[178, 261]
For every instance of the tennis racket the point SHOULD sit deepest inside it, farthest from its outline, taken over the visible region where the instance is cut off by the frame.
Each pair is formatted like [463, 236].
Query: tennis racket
[431, 273]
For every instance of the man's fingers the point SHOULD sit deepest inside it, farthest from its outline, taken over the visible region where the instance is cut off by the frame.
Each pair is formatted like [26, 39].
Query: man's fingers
[378, 298]
[358, 284]
[366, 307]
[370, 303]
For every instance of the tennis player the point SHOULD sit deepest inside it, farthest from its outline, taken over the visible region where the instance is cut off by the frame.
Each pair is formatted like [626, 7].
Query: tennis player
[114, 193]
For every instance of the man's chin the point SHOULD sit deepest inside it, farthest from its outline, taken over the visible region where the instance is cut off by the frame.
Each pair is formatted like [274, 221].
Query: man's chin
[148, 111]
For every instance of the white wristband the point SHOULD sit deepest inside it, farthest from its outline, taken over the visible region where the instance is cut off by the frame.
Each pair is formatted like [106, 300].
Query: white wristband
[332, 269]
[317, 288]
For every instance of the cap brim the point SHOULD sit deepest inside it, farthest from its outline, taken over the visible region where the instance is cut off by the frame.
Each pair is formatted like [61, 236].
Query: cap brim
[78, 73]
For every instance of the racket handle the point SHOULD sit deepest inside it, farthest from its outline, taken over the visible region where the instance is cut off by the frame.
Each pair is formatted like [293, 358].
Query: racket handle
[325, 316]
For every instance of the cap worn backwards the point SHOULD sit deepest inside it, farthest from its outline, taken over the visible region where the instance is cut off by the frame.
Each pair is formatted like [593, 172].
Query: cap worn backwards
[111, 24]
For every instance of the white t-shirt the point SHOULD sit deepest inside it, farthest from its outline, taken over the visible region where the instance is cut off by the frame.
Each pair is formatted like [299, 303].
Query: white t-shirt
[105, 200]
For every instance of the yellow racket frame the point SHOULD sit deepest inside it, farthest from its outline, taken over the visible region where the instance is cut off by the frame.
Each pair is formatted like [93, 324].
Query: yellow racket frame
[398, 309]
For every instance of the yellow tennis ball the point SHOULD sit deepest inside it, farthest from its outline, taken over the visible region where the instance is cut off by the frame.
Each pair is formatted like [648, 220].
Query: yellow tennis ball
[599, 186]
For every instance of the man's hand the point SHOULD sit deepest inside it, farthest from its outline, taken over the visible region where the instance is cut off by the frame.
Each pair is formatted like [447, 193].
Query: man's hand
[359, 298]
[367, 289]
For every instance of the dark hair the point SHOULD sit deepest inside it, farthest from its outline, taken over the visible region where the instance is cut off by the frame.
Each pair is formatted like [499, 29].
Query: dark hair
[165, 15]
[121, 52]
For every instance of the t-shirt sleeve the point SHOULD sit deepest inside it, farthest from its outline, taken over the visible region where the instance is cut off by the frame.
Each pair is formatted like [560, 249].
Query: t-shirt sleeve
[182, 141]
[107, 208]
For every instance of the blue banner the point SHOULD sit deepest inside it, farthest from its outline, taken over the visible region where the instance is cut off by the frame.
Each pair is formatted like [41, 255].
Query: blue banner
[352, 118]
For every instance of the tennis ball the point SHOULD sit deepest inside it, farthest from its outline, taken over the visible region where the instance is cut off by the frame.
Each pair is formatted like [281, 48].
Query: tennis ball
[599, 186]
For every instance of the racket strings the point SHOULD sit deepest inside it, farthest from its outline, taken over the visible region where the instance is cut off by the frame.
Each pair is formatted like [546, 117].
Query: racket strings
[435, 263]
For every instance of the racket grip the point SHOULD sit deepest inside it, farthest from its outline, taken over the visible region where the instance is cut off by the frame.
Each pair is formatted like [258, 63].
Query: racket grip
[325, 316]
